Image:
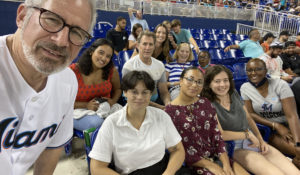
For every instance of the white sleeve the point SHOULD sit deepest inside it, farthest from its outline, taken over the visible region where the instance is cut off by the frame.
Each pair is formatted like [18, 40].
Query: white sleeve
[171, 134]
[131, 38]
[284, 90]
[243, 92]
[103, 146]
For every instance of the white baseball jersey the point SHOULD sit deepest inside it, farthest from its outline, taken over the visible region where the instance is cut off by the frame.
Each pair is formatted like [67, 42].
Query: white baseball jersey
[31, 121]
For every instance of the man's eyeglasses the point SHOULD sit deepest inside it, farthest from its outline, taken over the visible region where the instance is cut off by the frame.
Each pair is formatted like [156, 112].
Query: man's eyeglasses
[190, 81]
[53, 23]
[258, 69]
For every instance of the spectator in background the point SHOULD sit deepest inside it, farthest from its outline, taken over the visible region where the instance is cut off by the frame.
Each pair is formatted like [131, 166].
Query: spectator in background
[283, 37]
[162, 49]
[204, 61]
[97, 78]
[267, 40]
[118, 36]
[183, 35]
[171, 37]
[182, 60]
[298, 40]
[250, 47]
[274, 62]
[291, 60]
[136, 30]
[144, 61]
[137, 19]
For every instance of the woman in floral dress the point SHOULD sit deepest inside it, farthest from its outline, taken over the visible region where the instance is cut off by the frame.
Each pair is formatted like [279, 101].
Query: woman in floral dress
[195, 119]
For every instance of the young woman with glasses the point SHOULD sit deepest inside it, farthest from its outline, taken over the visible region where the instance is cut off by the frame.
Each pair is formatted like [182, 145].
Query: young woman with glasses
[251, 151]
[195, 119]
[137, 136]
[271, 102]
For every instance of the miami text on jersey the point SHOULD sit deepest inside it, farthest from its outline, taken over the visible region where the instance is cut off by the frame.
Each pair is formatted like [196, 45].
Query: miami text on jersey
[24, 139]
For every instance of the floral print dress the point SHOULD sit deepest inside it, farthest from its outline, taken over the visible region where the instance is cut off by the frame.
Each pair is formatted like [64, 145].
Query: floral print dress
[198, 127]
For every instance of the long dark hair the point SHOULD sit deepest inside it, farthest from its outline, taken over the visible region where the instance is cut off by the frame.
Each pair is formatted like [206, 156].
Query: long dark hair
[85, 61]
[134, 28]
[209, 76]
[165, 44]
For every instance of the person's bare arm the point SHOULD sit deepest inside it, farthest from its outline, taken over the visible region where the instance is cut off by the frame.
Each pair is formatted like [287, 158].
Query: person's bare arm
[46, 163]
[101, 168]
[132, 45]
[290, 72]
[194, 43]
[177, 155]
[231, 47]
[131, 11]
[116, 88]
[164, 93]
[290, 111]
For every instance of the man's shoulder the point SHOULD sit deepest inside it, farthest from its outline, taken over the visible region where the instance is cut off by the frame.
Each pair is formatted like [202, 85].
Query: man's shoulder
[67, 76]
[157, 62]
[130, 62]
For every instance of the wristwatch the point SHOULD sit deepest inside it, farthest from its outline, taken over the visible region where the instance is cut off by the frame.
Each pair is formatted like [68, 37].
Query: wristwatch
[297, 144]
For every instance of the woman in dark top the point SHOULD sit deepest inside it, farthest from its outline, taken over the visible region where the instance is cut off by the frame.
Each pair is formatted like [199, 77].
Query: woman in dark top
[250, 150]
[195, 119]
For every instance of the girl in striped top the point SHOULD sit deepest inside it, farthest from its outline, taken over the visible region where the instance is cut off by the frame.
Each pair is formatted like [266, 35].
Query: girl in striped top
[183, 57]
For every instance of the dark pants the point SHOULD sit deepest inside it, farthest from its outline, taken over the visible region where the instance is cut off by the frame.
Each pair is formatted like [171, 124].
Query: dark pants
[159, 168]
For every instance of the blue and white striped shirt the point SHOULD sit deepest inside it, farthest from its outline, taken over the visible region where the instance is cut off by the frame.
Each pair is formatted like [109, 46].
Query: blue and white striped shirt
[175, 69]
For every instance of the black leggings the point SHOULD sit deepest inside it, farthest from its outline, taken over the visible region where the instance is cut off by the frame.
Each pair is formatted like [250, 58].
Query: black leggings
[159, 168]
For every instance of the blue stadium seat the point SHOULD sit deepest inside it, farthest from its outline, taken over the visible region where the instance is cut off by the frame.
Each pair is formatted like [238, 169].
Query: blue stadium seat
[216, 56]
[196, 36]
[220, 36]
[211, 44]
[171, 52]
[240, 71]
[201, 44]
[224, 43]
[123, 57]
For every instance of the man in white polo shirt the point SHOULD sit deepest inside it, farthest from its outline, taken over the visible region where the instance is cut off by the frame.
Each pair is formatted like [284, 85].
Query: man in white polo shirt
[144, 61]
[37, 92]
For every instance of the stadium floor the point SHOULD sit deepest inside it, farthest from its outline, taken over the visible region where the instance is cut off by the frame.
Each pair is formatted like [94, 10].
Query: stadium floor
[72, 164]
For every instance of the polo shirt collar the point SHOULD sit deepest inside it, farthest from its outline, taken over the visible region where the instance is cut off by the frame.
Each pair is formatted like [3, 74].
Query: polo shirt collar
[122, 121]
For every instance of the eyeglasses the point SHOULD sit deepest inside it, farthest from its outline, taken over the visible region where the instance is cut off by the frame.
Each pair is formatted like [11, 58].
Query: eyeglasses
[202, 58]
[258, 69]
[53, 23]
[190, 81]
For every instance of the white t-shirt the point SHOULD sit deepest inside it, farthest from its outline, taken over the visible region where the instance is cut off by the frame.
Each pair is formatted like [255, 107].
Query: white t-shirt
[134, 20]
[131, 38]
[156, 70]
[30, 122]
[134, 149]
[274, 66]
[270, 107]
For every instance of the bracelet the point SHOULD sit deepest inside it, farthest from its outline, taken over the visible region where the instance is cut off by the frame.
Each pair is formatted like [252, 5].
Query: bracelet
[247, 134]
[273, 126]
